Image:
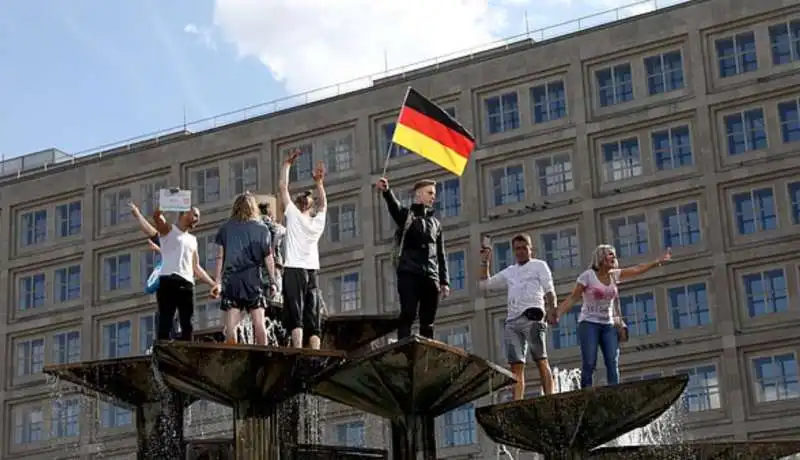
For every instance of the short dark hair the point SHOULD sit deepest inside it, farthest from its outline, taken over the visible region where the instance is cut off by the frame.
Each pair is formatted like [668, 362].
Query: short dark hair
[523, 237]
[424, 183]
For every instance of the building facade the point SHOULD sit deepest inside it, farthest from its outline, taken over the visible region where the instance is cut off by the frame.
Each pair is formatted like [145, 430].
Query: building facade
[679, 128]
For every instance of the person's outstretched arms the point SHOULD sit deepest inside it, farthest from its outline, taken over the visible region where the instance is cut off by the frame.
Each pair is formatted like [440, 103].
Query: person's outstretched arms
[283, 185]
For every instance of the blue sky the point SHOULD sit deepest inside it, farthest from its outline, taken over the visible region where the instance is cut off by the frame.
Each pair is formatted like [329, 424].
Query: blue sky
[78, 74]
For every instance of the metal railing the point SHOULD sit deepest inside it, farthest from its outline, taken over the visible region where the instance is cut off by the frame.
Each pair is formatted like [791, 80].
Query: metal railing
[16, 166]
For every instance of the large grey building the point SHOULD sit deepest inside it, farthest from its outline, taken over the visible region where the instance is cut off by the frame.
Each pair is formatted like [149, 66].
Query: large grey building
[676, 128]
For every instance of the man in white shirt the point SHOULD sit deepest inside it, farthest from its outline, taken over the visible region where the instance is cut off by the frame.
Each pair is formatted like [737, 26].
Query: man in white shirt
[301, 296]
[531, 295]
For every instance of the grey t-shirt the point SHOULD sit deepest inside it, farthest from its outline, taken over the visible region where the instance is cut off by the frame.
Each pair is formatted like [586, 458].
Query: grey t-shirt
[246, 245]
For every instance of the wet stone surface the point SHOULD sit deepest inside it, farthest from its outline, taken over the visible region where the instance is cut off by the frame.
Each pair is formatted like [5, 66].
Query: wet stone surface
[747, 450]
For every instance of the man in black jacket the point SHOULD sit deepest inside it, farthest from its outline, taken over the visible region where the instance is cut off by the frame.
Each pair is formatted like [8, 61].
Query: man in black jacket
[421, 261]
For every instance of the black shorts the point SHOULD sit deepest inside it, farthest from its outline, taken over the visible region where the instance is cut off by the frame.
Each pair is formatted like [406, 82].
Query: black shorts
[302, 301]
[248, 305]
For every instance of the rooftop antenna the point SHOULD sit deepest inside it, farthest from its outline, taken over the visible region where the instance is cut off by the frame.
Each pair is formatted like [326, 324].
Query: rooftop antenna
[385, 60]
[527, 27]
[184, 117]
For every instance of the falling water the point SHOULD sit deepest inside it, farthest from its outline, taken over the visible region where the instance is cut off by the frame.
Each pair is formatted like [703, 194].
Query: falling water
[667, 429]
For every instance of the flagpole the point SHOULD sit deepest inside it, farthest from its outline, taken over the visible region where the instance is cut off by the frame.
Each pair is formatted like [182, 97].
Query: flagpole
[391, 144]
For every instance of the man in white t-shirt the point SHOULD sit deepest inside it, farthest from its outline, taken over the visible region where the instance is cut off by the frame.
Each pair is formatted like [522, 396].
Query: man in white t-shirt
[531, 295]
[301, 296]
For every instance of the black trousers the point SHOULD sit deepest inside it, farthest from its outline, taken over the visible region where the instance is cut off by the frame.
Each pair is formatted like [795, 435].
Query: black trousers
[301, 301]
[418, 294]
[174, 294]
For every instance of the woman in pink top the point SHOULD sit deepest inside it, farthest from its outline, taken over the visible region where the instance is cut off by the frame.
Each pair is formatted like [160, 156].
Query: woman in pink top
[600, 317]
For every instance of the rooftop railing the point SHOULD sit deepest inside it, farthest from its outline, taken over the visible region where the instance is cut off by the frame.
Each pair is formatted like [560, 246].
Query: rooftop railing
[24, 164]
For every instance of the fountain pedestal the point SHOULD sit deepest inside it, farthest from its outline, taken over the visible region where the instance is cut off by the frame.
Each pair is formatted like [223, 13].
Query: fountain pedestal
[254, 380]
[131, 383]
[410, 383]
[700, 450]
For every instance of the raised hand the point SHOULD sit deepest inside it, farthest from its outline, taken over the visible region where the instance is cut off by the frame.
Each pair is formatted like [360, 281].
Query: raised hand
[319, 172]
[382, 184]
[667, 256]
[134, 209]
[486, 254]
[293, 155]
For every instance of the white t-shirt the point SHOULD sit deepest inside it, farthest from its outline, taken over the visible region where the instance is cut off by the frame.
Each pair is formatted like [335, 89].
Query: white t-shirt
[177, 254]
[302, 238]
[527, 285]
[598, 298]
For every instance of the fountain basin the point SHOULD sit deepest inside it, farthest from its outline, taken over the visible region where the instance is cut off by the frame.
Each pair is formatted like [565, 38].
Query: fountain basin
[578, 421]
[743, 450]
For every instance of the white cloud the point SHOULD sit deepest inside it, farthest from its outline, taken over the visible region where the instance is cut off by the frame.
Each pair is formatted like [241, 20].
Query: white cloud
[203, 35]
[309, 44]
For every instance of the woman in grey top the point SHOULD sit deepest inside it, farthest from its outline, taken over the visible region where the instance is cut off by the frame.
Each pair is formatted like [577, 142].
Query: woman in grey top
[245, 248]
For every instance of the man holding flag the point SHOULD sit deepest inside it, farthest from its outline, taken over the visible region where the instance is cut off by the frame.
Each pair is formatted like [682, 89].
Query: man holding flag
[420, 259]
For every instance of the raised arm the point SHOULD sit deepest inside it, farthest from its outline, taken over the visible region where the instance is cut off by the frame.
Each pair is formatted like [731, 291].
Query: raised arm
[397, 212]
[283, 184]
[319, 176]
[636, 270]
[487, 281]
[146, 227]
[161, 224]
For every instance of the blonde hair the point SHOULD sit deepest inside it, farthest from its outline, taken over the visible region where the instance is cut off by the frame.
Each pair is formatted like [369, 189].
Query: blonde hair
[600, 254]
[245, 207]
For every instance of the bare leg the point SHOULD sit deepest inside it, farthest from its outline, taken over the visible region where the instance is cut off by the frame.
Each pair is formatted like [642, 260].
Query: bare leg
[518, 369]
[548, 384]
[314, 342]
[232, 319]
[297, 337]
[259, 326]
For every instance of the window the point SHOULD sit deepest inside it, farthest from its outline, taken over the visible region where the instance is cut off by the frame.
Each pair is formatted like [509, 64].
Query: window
[549, 102]
[117, 272]
[615, 85]
[639, 311]
[681, 225]
[688, 306]
[766, 292]
[672, 148]
[68, 284]
[392, 149]
[345, 292]
[555, 175]
[622, 159]
[66, 417]
[206, 186]
[561, 249]
[736, 55]
[789, 115]
[34, 227]
[151, 258]
[664, 72]
[350, 434]
[207, 252]
[66, 347]
[502, 255]
[784, 40]
[755, 211]
[28, 425]
[149, 196]
[794, 201]
[630, 235]
[459, 337]
[565, 333]
[508, 185]
[342, 222]
[116, 340]
[745, 131]
[30, 357]
[32, 292]
[68, 219]
[207, 315]
[115, 207]
[147, 332]
[702, 393]
[339, 154]
[448, 198]
[457, 270]
[243, 176]
[502, 113]
[112, 416]
[459, 427]
[776, 378]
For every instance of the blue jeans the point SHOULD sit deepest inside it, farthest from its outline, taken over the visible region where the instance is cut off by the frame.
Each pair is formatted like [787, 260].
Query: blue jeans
[594, 335]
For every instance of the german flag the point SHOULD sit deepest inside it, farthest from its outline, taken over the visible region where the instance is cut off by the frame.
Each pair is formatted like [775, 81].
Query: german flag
[427, 130]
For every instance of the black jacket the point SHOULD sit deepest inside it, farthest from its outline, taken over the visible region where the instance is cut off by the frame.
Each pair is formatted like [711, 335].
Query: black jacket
[423, 247]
